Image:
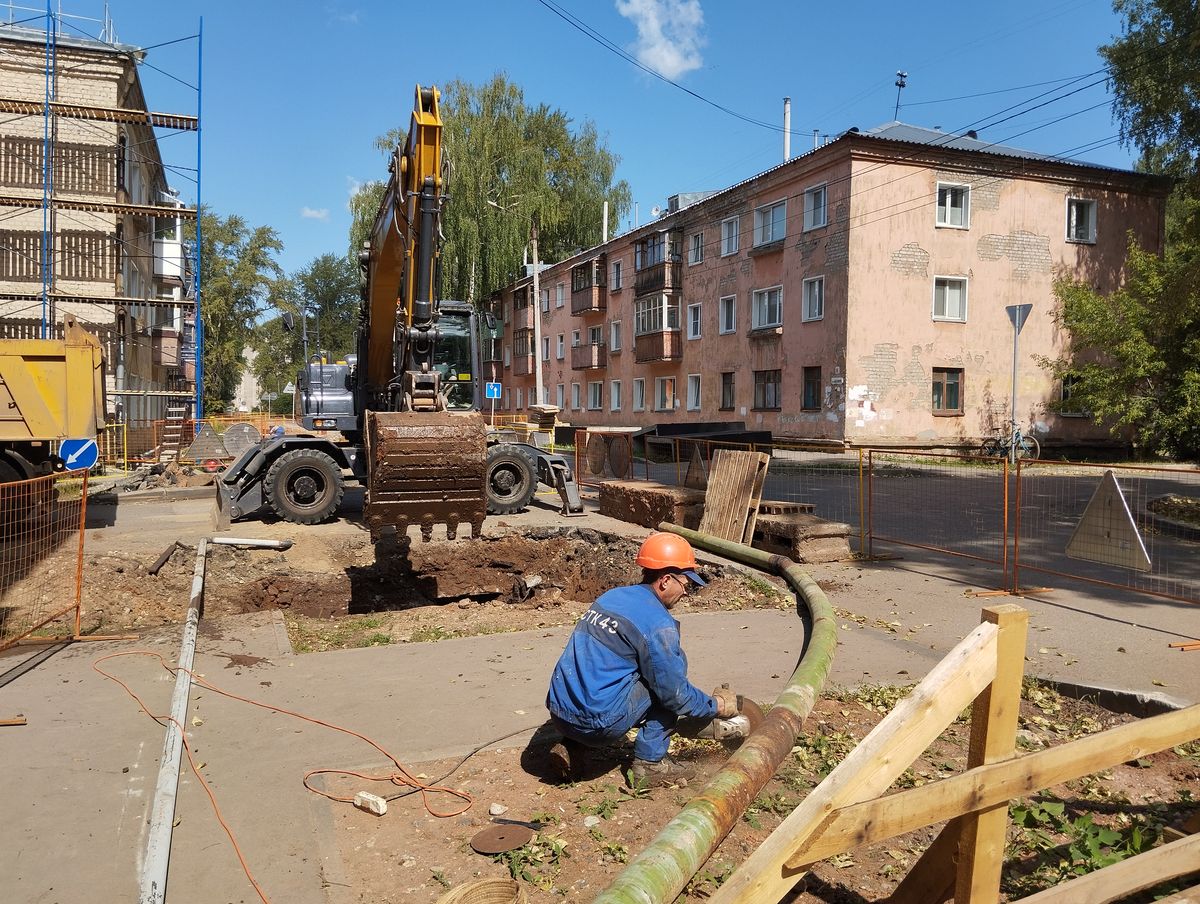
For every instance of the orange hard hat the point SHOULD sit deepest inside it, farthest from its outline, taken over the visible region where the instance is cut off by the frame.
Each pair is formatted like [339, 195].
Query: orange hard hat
[663, 550]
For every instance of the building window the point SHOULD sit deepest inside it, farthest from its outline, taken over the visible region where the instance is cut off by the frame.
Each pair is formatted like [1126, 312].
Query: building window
[814, 207]
[507, 355]
[559, 395]
[655, 314]
[595, 395]
[1066, 407]
[693, 321]
[770, 223]
[581, 278]
[1081, 220]
[614, 395]
[574, 338]
[727, 390]
[812, 389]
[545, 300]
[559, 294]
[639, 394]
[559, 347]
[728, 314]
[650, 251]
[954, 206]
[729, 236]
[950, 299]
[696, 248]
[575, 396]
[947, 390]
[693, 392]
[519, 406]
[766, 389]
[664, 394]
[616, 276]
[814, 298]
[595, 335]
[545, 348]
[767, 308]
[614, 333]
[505, 309]
[523, 343]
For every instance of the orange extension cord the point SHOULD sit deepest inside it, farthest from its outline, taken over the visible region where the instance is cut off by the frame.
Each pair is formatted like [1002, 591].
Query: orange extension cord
[400, 776]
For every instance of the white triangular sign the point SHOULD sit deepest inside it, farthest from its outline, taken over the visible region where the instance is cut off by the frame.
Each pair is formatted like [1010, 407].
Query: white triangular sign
[1106, 532]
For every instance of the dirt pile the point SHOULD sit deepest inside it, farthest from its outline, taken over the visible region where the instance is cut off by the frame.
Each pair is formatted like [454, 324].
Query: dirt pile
[170, 474]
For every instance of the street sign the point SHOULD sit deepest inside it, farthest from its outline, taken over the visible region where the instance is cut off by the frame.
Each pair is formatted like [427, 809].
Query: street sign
[1018, 314]
[491, 390]
[79, 453]
[270, 397]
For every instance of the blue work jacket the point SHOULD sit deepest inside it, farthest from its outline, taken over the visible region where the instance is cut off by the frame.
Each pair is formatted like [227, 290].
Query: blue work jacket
[626, 635]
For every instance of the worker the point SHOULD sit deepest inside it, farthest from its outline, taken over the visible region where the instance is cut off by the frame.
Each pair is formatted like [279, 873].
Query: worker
[623, 667]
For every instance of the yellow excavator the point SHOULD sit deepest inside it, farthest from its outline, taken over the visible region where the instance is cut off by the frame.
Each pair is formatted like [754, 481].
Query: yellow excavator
[407, 407]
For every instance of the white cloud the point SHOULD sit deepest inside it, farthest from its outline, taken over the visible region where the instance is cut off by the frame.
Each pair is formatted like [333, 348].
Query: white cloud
[310, 213]
[670, 34]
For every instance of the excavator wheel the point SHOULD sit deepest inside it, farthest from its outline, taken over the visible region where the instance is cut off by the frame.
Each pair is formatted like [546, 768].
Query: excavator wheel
[511, 478]
[304, 486]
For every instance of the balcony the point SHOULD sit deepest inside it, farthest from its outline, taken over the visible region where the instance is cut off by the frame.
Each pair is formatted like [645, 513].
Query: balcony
[590, 355]
[590, 300]
[666, 345]
[522, 364]
[522, 318]
[168, 259]
[165, 346]
[665, 276]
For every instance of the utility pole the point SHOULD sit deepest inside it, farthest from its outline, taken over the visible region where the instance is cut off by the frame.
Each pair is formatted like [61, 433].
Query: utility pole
[537, 315]
[901, 84]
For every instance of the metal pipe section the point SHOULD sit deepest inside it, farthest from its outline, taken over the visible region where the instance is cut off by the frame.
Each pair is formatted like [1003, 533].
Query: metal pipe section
[660, 873]
[253, 544]
[153, 889]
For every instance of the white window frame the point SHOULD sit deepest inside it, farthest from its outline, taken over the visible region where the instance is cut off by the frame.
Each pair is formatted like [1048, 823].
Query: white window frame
[575, 397]
[574, 338]
[696, 249]
[560, 394]
[614, 336]
[767, 224]
[595, 335]
[694, 387]
[545, 348]
[560, 348]
[559, 295]
[507, 355]
[759, 300]
[518, 406]
[615, 281]
[695, 324]
[595, 395]
[814, 217]
[1072, 204]
[545, 302]
[639, 394]
[808, 313]
[730, 236]
[614, 395]
[965, 297]
[661, 400]
[942, 217]
[655, 314]
[725, 326]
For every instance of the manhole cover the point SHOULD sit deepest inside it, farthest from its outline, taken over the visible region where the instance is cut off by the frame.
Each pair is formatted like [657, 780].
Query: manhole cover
[501, 838]
[597, 452]
[618, 456]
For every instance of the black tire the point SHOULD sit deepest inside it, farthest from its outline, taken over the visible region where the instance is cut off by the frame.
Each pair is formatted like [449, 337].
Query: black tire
[304, 486]
[511, 478]
[1029, 448]
[990, 448]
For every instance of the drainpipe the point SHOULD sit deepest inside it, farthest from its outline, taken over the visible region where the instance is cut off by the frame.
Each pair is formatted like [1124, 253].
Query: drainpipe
[661, 872]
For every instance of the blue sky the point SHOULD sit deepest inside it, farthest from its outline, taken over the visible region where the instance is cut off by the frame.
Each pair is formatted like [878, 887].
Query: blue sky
[294, 93]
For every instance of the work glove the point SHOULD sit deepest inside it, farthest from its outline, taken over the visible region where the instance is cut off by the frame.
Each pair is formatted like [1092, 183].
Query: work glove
[726, 702]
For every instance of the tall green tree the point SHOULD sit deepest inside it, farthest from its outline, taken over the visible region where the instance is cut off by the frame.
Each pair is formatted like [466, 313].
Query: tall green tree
[1134, 355]
[509, 164]
[238, 272]
[323, 299]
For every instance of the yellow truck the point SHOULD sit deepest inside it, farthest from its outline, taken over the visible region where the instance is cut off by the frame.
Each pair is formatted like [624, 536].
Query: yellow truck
[50, 390]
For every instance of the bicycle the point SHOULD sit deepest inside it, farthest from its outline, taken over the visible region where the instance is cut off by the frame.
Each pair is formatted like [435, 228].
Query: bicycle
[1002, 444]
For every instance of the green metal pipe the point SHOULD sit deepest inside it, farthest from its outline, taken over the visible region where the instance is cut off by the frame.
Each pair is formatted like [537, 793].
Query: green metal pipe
[661, 872]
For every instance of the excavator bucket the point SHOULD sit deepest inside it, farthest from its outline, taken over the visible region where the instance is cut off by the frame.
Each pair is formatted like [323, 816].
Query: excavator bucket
[425, 468]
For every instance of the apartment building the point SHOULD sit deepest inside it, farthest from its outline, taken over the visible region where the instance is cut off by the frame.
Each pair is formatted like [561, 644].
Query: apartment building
[98, 233]
[856, 295]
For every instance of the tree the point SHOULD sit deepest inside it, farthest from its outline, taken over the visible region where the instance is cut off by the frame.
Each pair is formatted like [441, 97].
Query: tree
[508, 163]
[237, 275]
[325, 294]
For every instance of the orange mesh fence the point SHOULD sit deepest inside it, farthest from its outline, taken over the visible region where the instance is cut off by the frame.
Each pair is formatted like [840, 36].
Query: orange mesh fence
[114, 445]
[1114, 525]
[41, 556]
[940, 502]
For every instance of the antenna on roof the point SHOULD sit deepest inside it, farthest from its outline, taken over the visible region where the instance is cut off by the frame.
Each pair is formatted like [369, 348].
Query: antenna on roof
[901, 84]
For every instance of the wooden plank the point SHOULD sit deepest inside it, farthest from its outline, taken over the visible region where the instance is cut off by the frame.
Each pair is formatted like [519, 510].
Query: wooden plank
[729, 486]
[891, 747]
[993, 738]
[760, 465]
[1122, 879]
[986, 786]
[1187, 896]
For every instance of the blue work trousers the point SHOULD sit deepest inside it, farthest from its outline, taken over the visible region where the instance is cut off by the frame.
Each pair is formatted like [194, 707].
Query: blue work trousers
[655, 725]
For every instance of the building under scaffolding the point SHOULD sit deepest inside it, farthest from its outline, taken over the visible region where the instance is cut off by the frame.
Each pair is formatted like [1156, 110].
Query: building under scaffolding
[89, 223]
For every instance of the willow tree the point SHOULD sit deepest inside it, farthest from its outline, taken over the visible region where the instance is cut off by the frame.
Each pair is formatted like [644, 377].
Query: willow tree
[509, 164]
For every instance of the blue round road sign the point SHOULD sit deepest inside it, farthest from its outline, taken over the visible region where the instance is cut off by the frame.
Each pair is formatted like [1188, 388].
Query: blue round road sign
[78, 454]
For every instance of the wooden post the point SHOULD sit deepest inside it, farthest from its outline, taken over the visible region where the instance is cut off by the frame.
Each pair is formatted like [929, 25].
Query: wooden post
[993, 738]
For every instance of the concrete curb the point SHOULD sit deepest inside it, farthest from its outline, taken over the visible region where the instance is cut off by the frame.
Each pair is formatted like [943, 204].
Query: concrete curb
[110, 497]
